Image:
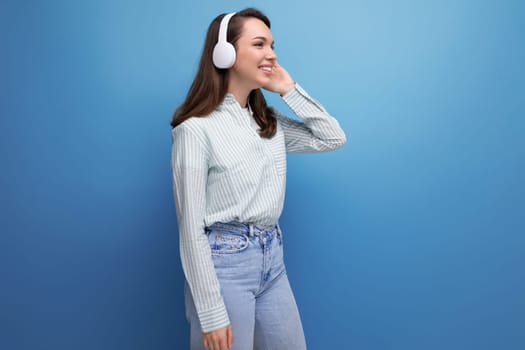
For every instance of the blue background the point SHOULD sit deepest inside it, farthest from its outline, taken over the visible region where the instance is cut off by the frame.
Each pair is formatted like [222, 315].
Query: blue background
[409, 237]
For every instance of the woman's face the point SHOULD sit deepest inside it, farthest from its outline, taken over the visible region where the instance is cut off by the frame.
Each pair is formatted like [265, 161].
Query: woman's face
[255, 56]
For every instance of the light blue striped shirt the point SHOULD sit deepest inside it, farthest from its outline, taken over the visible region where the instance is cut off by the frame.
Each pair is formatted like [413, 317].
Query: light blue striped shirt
[223, 171]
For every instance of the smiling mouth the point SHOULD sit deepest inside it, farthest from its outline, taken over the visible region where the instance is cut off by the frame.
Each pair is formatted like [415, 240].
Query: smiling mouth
[266, 68]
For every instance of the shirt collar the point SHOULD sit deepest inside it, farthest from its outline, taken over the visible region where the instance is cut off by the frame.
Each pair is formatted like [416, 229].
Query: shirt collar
[229, 100]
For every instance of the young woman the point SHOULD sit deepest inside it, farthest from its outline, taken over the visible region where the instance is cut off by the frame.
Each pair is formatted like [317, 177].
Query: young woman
[229, 173]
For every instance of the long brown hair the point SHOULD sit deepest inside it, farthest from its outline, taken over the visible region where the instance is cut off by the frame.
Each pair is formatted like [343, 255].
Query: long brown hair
[211, 84]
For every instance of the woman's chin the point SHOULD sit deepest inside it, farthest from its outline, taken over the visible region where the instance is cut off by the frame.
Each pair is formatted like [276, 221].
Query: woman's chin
[264, 81]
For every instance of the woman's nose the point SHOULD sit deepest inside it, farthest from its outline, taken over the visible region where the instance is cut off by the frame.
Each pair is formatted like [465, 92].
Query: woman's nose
[271, 55]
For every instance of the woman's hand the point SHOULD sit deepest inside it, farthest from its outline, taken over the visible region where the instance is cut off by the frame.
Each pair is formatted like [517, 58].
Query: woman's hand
[220, 339]
[281, 82]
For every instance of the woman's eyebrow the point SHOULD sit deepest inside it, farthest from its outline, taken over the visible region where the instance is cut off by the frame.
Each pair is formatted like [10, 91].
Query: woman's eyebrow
[263, 39]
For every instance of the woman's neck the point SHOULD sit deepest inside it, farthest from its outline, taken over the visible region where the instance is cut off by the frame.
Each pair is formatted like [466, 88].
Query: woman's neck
[241, 97]
[240, 91]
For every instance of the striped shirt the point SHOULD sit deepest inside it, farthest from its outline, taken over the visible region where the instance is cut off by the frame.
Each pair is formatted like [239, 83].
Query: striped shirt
[224, 171]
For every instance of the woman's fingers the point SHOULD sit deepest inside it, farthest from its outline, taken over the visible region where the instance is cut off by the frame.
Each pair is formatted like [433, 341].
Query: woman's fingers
[220, 339]
[229, 334]
[223, 343]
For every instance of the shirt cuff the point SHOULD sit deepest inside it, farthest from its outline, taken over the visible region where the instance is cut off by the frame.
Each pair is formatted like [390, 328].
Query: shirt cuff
[297, 97]
[214, 319]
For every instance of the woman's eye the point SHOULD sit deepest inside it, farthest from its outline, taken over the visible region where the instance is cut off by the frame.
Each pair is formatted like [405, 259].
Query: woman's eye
[259, 44]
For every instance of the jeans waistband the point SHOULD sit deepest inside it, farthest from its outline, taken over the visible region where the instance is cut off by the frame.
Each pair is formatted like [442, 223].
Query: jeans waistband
[247, 228]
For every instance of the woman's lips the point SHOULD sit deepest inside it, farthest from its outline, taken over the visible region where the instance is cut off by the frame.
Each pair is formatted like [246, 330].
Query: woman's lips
[266, 69]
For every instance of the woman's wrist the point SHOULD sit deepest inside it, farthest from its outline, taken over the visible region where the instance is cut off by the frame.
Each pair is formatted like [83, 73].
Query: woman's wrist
[287, 89]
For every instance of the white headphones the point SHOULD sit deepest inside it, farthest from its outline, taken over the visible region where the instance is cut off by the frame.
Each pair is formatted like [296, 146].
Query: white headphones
[224, 52]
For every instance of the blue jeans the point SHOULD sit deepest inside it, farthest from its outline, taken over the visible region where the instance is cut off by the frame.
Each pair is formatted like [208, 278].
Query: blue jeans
[249, 264]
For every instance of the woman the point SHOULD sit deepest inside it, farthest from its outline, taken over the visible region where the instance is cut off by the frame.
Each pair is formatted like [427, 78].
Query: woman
[229, 173]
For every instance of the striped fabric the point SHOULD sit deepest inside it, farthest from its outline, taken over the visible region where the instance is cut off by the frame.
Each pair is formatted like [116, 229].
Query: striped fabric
[223, 171]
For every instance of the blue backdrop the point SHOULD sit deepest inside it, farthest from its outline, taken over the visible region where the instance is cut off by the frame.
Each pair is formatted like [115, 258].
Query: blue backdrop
[418, 241]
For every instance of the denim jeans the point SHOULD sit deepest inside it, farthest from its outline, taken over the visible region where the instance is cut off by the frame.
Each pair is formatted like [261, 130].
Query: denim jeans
[261, 306]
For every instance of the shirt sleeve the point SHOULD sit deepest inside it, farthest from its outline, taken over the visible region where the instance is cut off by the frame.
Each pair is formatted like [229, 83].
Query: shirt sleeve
[189, 163]
[318, 132]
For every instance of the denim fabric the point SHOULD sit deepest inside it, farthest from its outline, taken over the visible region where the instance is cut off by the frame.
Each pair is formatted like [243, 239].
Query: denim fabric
[249, 263]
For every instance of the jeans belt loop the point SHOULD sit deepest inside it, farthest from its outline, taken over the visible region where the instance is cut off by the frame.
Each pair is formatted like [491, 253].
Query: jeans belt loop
[251, 230]
[279, 232]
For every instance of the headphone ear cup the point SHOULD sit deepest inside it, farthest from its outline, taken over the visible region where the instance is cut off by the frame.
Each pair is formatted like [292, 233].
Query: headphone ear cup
[224, 55]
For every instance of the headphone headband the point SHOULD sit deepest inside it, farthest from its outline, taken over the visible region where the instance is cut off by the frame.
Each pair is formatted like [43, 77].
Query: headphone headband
[223, 30]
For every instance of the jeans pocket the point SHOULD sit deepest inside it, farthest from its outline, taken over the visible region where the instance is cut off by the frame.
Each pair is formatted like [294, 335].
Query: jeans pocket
[226, 242]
